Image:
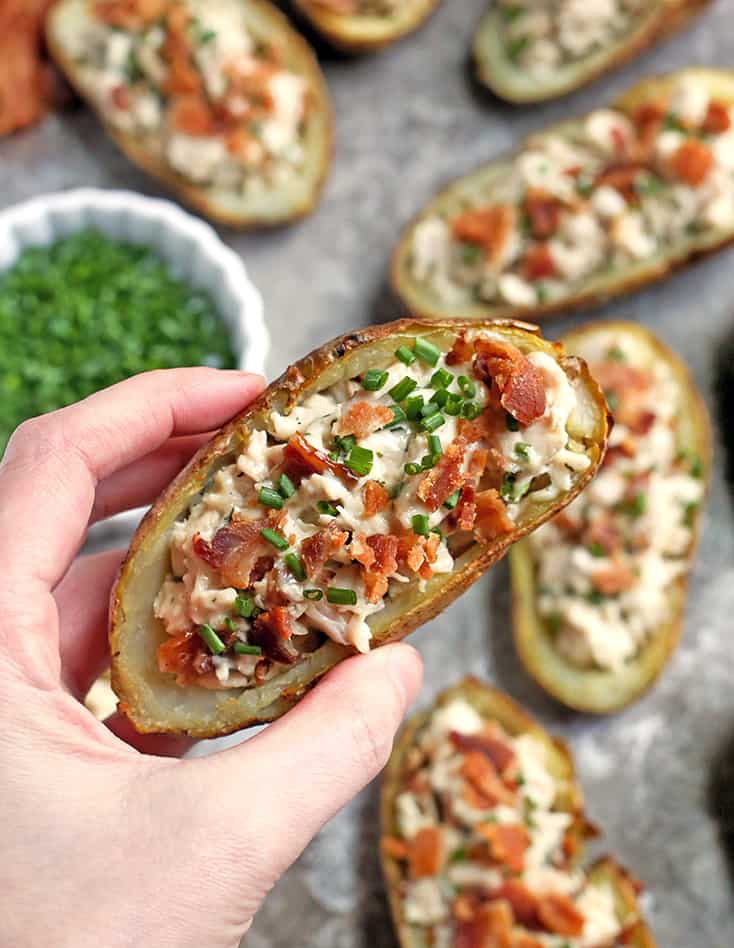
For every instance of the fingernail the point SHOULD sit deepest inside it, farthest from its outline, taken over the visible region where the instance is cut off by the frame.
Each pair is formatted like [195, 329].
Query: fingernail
[407, 666]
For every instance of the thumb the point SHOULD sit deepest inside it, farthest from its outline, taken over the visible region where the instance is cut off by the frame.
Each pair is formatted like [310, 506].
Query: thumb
[276, 791]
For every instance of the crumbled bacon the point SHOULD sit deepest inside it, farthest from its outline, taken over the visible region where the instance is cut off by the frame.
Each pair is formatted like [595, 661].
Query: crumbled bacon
[558, 914]
[486, 227]
[525, 940]
[622, 178]
[374, 498]
[395, 848]
[523, 902]
[129, 14]
[120, 97]
[479, 771]
[425, 855]
[465, 512]
[320, 547]
[364, 418]
[176, 655]
[692, 162]
[301, 459]
[491, 927]
[717, 119]
[613, 579]
[234, 550]
[385, 563]
[538, 263]
[518, 382]
[361, 551]
[507, 844]
[272, 631]
[26, 80]
[603, 531]
[477, 462]
[486, 742]
[543, 211]
[445, 476]
[192, 115]
[418, 553]
[648, 120]
[492, 520]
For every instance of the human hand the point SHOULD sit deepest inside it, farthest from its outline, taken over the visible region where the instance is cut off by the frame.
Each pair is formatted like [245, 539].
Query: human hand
[107, 840]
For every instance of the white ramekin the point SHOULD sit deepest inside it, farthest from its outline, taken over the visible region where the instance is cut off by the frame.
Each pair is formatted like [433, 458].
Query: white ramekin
[190, 247]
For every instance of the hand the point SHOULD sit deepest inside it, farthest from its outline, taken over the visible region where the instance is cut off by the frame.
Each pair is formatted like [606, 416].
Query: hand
[105, 839]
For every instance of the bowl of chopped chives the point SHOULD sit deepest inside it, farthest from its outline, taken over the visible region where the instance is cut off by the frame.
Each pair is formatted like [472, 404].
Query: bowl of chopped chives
[99, 285]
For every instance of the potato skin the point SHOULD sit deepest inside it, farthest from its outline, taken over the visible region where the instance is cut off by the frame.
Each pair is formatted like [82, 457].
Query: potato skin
[589, 690]
[359, 34]
[198, 198]
[494, 72]
[156, 707]
[600, 288]
[494, 704]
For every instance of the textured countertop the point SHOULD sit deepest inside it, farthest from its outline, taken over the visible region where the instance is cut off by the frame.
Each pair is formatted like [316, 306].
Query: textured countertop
[658, 778]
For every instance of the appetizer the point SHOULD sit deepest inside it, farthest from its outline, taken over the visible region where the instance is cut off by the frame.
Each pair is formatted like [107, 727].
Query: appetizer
[355, 499]
[527, 51]
[26, 81]
[584, 211]
[599, 592]
[224, 102]
[483, 834]
[359, 26]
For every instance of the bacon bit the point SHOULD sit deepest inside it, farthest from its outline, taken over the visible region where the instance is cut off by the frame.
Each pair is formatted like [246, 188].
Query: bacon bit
[622, 178]
[538, 263]
[130, 14]
[570, 845]
[395, 848]
[379, 563]
[463, 908]
[363, 418]
[558, 914]
[322, 546]
[301, 459]
[465, 512]
[477, 462]
[567, 524]
[374, 498]
[426, 853]
[613, 580]
[361, 551]
[120, 97]
[386, 552]
[522, 901]
[478, 770]
[183, 77]
[618, 140]
[418, 553]
[692, 162]
[507, 844]
[491, 927]
[604, 532]
[526, 940]
[492, 520]
[26, 81]
[272, 631]
[647, 120]
[233, 550]
[191, 114]
[544, 211]
[445, 476]
[518, 382]
[176, 655]
[242, 144]
[717, 119]
[487, 227]
[641, 423]
[618, 376]
[261, 670]
[498, 751]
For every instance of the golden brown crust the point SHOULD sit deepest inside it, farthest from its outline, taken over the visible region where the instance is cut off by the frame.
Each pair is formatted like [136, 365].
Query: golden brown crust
[359, 34]
[136, 680]
[599, 288]
[198, 198]
[590, 690]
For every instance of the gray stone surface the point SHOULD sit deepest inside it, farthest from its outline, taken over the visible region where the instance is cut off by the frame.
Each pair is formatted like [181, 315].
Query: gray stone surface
[656, 776]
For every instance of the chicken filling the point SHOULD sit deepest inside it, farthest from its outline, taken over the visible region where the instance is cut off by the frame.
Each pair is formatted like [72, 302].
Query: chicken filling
[486, 847]
[359, 491]
[542, 36]
[606, 565]
[616, 192]
[212, 99]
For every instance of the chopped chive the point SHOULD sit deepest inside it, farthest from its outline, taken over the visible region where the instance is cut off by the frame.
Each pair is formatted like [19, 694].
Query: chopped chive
[413, 407]
[696, 468]
[313, 595]
[468, 388]
[345, 443]
[405, 355]
[458, 855]
[507, 488]
[434, 445]
[453, 404]
[403, 389]
[437, 531]
[452, 500]
[244, 606]
[430, 408]
[295, 565]
[596, 549]
[229, 624]
[286, 486]
[420, 525]
[396, 490]
[584, 185]
[689, 514]
[430, 424]
[516, 47]
[412, 468]
[616, 354]
[270, 498]
[210, 638]
[512, 423]
[470, 410]
[398, 417]
[440, 397]
[671, 123]
[441, 378]
[522, 449]
[511, 13]
[240, 648]
[275, 539]
[374, 379]
[360, 461]
[324, 507]
[634, 507]
[595, 597]
[426, 351]
[470, 253]
[427, 461]
[554, 621]
[341, 597]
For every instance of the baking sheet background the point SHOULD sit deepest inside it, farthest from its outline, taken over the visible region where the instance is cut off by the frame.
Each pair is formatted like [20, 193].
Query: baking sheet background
[655, 777]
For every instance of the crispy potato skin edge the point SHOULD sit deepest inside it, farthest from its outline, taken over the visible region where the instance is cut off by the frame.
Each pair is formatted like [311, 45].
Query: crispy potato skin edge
[331, 27]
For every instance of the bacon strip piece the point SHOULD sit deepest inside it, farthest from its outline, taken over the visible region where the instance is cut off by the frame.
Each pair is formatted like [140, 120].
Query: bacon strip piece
[487, 742]
[717, 119]
[377, 554]
[538, 263]
[26, 80]
[518, 382]
[363, 418]
[374, 498]
[184, 656]
[692, 162]
[445, 476]
[544, 212]
[419, 553]
[317, 549]
[479, 771]
[613, 579]
[426, 853]
[491, 927]
[234, 550]
[558, 914]
[487, 227]
[492, 520]
[301, 459]
[523, 902]
[272, 631]
[507, 844]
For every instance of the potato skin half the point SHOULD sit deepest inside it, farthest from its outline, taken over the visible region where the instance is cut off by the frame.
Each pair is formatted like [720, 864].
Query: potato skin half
[598, 289]
[361, 34]
[596, 691]
[493, 704]
[215, 206]
[156, 705]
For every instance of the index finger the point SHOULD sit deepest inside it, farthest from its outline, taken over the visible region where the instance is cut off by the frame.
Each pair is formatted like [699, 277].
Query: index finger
[53, 463]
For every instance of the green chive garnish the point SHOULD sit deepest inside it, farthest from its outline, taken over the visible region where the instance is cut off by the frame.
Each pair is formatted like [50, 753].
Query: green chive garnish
[403, 389]
[468, 388]
[522, 449]
[286, 486]
[313, 595]
[420, 525]
[426, 351]
[696, 468]
[441, 378]
[440, 397]
[374, 379]
[434, 445]
[634, 507]
[324, 507]
[453, 405]
[345, 444]
[360, 460]
[241, 649]
[412, 468]
[512, 423]
[470, 410]
[275, 539]
[396, 490]
[229, 624]
[210, 638]
[507, 488]
[430, 424]
[244, 605]
[341, 597]
[596, 549]
[413, 407]
[270, 498]
[452, 500]
[398, 417]
[430, 408]
[295, 566]
[405, 355]
[427, 462]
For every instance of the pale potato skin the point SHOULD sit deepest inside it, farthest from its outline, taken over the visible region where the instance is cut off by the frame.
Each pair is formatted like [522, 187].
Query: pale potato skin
[216, 205]
[598, 289]
[596, 691]
[362, 34]
[150, 699]
[493, 704]
[499, 75]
